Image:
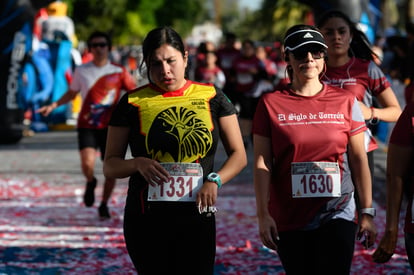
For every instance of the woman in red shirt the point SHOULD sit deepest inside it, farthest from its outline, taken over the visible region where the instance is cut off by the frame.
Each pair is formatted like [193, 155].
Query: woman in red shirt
[303, 136]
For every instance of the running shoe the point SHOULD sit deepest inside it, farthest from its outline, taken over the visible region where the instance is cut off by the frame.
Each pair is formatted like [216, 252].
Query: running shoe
[104, 211]
[89, 196]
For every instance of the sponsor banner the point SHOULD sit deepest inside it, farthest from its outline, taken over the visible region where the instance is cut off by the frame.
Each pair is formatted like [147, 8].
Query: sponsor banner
[16, 28]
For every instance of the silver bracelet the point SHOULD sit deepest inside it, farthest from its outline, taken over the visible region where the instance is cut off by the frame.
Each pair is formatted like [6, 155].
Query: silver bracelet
[369, 211]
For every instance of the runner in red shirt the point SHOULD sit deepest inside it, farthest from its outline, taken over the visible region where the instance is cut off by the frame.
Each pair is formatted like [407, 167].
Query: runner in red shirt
[400, 177]
[304, 189]
[225, 57]
[351, 66]
[248, 71]
[209, 71]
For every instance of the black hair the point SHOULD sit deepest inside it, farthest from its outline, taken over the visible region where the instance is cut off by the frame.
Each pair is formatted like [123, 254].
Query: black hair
[154, 40]
[249, 42]
[99, 34]
[230, 36]
[360, 46]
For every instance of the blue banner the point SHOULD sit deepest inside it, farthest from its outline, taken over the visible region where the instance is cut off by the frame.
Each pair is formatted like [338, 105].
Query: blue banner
[16, 29]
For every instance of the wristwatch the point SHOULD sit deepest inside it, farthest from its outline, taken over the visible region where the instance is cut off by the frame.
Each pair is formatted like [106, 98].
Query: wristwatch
[369, 211]
[214, 177]
[374, 120]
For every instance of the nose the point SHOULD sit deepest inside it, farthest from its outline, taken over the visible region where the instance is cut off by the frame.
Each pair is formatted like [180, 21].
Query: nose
[337, 35]
[165, 68]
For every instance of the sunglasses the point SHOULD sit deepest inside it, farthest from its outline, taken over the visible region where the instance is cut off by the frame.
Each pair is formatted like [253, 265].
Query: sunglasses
[95, 45]
[316, 54]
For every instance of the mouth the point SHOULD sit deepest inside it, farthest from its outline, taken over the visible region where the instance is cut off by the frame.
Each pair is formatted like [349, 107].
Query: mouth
[167, 81]
[307, 66]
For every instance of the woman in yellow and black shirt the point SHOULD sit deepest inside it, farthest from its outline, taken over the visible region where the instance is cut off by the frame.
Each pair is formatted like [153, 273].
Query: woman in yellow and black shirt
[172, 126]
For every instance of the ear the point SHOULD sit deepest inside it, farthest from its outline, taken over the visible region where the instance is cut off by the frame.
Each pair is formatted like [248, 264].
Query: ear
[186, 58]
[286, 56]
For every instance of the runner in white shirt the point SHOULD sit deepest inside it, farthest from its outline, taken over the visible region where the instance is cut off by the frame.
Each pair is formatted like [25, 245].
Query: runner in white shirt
[100, 84]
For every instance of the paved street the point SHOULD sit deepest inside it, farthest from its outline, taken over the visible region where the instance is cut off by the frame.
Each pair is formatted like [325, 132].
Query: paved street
[45, 229]
[50, 154]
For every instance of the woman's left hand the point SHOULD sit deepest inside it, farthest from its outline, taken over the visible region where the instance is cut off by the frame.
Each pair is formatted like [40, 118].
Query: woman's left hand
[207, 195]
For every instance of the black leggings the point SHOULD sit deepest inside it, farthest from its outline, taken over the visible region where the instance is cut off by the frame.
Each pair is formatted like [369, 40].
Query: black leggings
[409, 247]
[165, 241]
[326, 250]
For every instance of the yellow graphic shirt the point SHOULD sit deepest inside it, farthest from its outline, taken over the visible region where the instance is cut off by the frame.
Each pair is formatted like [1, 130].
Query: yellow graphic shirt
[178, 126]
[183, 122]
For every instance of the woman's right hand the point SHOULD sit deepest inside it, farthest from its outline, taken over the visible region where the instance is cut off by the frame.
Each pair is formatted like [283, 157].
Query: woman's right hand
[366, 111]
[151, 170]
[46, 110]
[268, 232]
[386, 247]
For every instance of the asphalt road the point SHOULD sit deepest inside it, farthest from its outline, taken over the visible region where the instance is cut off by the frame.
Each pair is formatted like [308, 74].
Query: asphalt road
[45, 227]
[55, 152]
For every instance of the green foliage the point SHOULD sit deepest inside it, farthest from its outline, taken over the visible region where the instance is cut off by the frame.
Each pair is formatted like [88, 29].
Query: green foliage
[182, 15]
[231, 18]
[128, 21]
[287, 14]
[103, 15]
[272, 20]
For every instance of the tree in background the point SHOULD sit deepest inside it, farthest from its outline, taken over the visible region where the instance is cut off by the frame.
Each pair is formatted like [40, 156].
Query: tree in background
[128, 21]
[271, 21]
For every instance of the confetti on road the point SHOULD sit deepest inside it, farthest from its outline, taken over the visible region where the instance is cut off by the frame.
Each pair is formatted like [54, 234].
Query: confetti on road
[45, 229]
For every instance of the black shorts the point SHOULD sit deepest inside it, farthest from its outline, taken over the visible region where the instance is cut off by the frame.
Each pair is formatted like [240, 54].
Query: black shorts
[175, 239]
[92, 138]
[328, 249]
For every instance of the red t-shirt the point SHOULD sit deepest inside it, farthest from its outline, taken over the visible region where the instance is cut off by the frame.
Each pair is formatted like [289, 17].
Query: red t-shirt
[100, 88]
[364, 79]
[210, 75]
[307, 129]
[245, 80]
[225, 58]
[403, 135]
